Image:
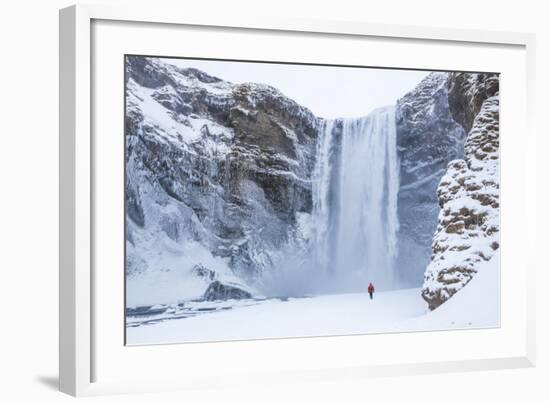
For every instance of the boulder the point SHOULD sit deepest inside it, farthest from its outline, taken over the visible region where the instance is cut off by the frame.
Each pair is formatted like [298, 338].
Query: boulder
[218, 291]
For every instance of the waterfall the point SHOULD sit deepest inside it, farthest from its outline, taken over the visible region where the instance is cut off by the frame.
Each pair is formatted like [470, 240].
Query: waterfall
[321, 195]
[355, 187]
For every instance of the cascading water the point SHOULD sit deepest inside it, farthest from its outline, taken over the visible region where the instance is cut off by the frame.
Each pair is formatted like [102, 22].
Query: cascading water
[323, 195]
[355, 187]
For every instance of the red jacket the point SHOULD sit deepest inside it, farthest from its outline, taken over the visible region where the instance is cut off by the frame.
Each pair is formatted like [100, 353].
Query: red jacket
[371, 288]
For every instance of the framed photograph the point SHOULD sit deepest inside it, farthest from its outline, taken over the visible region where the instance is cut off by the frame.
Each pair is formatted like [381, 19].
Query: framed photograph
[259, 210]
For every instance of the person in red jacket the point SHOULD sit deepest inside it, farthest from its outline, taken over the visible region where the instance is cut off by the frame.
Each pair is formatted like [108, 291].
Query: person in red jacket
[371, 290]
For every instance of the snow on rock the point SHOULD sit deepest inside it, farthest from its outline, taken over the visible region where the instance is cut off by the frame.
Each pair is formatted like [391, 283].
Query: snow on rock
[476, 306]
[216, 176]
[219, 182]
[468, 227]
[428, 138]
[467, 92]
[224, 291]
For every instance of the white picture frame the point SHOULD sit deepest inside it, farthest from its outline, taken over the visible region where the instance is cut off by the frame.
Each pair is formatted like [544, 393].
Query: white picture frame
[78, 152]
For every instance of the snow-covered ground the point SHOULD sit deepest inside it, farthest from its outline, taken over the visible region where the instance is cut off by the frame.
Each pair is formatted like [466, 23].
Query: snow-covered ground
[475, 306]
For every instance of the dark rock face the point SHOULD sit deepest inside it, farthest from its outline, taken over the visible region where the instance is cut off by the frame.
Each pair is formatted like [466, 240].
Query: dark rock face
[274, 148]
[217, 291]
[226, 166]
[468, 228]
[467, 92]
[427, 138]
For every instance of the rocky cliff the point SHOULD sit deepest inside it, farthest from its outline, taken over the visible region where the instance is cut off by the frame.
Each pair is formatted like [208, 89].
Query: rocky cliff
[427, 139]
[468, 224]
[216, 172]
[219, 185]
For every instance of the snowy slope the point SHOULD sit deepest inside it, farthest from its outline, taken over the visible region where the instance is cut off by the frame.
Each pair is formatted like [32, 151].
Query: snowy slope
[297, 317]
[476, 306]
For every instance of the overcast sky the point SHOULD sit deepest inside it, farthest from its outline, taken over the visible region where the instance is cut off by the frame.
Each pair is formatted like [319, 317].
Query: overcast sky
[328, 92]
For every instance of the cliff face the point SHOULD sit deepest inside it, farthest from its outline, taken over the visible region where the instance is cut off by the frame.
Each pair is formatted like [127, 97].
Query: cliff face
[216, 172]
[427, 138]
[219, 183]
[468, 224]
